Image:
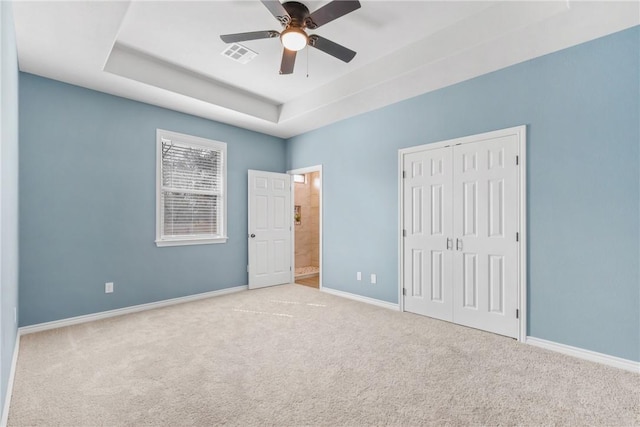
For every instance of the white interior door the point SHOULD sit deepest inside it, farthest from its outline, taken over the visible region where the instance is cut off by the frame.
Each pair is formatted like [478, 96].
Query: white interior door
[269, 229]
[428, 229]
[485, 226]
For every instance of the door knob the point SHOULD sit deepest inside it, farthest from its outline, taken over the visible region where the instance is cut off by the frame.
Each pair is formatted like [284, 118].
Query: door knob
[459, 244]
[252, 235]
[449, 243]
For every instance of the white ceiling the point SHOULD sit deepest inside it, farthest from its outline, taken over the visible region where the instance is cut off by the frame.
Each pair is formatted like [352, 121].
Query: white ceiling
[168, 53]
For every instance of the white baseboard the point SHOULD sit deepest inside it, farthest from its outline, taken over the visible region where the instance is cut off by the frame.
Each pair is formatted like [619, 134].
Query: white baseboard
[605, 359]
[12, 374]
[372, 301]
[126, 310]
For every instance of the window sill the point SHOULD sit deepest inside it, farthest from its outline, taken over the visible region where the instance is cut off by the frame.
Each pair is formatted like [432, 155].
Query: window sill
[186, 242]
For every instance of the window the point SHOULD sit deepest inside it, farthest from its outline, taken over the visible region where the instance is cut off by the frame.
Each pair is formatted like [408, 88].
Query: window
[191, 190]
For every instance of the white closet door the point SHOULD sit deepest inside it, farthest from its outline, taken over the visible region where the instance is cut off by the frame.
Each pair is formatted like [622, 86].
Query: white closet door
[428, 225]
[485, 209]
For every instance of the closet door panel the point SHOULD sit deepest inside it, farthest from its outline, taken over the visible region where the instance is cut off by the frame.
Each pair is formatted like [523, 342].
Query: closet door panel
[427, 195]
[485, 212]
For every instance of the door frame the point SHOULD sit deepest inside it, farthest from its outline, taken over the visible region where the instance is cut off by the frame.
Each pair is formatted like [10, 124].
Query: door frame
[316, 168]
[521, 133]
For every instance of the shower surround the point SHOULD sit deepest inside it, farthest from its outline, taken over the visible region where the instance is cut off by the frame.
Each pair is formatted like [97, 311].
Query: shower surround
[307, 232]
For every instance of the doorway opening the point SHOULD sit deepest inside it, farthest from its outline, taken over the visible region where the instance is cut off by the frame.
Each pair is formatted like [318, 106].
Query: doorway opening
[307, 226]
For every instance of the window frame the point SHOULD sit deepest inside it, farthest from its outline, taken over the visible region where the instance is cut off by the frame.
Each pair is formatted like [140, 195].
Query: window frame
[194, 141]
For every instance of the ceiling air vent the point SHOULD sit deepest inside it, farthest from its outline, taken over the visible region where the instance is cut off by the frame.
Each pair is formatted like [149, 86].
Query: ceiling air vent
[239, 53]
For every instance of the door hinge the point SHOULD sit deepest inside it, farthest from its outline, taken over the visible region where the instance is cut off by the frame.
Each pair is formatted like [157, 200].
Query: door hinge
[517, 237]
[517, 160]
[404, 233]
[404, 291]
[517, 313]
[290, 268]
[404, 174]
[247, 268]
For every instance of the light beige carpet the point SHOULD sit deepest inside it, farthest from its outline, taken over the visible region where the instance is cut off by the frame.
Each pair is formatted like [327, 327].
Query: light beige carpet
[291, 355]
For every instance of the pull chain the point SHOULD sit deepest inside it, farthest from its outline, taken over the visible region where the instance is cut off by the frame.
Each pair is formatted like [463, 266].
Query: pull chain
[307, 62]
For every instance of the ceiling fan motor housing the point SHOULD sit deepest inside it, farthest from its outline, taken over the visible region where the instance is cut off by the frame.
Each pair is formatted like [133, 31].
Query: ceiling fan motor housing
[299, 14]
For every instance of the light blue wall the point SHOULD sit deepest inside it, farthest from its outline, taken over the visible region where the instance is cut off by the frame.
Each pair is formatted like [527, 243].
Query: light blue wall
[582, 109]
[87, 203]
[8, 192]
[87, 179]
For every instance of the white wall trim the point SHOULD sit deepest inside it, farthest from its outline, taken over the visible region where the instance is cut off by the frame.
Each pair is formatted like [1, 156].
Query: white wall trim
[126, 310]
[12, 375]
[592, 356]
[521, 131]
[360, 298]
[401, 154]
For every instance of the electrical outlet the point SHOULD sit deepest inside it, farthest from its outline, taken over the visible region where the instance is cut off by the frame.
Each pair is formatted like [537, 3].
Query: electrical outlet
[359, 275]
[108, 287]
[373, 278]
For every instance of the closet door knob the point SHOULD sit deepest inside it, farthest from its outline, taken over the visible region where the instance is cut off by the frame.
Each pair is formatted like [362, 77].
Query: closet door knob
[459, 244]
[252, 235]
[449, 243]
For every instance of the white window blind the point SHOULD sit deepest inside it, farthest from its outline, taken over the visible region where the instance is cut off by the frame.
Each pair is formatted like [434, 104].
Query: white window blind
[191, 197]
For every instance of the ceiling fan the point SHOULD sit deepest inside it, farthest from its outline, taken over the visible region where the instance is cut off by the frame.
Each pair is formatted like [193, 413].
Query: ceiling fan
[295, 18]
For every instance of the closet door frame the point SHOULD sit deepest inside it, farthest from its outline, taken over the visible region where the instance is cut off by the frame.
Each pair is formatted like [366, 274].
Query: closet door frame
[521, 133]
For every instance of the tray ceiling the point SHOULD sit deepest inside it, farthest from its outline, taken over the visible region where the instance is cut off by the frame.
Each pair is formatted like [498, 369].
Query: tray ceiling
[168, 53]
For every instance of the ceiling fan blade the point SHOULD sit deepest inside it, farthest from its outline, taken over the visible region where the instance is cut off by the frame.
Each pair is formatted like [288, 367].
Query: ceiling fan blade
[277, 10]
[288, 61]
[333, 49]
[254, 35]
[331, 11]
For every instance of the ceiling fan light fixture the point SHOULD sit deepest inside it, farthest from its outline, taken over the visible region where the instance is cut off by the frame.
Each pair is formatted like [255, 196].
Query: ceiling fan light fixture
[294, 39]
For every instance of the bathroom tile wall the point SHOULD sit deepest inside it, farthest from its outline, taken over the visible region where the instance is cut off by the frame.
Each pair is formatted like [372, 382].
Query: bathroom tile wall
[307, 196]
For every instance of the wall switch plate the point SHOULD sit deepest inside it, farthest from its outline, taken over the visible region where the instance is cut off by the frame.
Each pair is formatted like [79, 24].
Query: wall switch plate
[108, 287]
[373, 278]
[359, 275]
